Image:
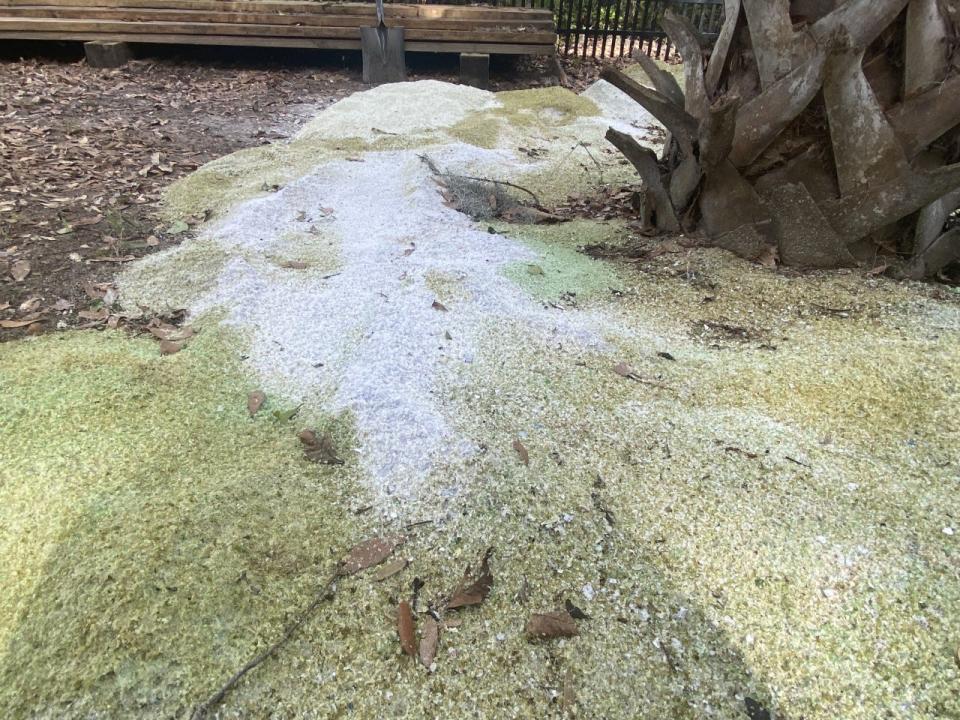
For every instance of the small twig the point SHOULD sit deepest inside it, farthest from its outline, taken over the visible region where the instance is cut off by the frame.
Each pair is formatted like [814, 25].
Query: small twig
[207, 705]
[595, 161]
[418, 524]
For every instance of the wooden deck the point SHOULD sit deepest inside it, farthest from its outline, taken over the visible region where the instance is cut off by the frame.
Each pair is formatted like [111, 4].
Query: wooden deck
[278, 23]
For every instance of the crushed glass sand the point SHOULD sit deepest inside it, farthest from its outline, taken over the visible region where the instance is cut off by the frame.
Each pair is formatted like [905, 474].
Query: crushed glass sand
[769, 524]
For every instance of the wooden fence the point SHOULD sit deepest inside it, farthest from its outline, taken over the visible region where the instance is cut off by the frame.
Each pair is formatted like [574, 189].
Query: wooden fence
[615, 28]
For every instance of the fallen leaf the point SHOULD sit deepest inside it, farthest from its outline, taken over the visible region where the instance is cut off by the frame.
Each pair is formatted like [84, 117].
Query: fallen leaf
[152, 241]
[62, 305]
[30, 304]
[169, 347]
[769, 257]
[545, 626]
[308, 437]
[87, 221]
[322, 451]
[294, 264]
[624, 370]
[478, 590]
[522, 452]
[19, 270]
[534, 270]
[10, 324]
[98, 315]
[437, 305]
[35, 329]
[405, 629]
[429, 638]
[369, 553]
[390, 569]
[575, 612]
[255, 401]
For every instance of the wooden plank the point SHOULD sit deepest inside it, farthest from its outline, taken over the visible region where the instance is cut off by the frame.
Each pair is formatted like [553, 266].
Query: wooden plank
[306, 43]
[298, 7]
[151, 15]
[170, 28]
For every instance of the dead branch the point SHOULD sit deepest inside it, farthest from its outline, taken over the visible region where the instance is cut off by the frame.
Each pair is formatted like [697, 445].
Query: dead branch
[325, 593]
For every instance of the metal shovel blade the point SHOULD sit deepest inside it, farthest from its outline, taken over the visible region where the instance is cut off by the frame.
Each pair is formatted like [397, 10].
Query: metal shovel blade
[383, 51]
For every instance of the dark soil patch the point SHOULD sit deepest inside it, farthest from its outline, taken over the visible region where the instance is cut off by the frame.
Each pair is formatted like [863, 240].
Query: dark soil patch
[85, 154]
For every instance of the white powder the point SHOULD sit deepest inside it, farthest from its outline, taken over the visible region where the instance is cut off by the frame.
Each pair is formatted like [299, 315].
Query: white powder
[373, 326]
[368, 339]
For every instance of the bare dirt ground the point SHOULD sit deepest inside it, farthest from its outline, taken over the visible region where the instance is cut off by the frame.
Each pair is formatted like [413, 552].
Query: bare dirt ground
[85, 153]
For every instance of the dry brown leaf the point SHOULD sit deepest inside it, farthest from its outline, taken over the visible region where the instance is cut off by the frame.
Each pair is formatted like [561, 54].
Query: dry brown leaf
[437, 305]
[98, 315]
[255, 401]
[19, 270]
[545, 626]
[369, 553]
[321, 450]
[30, 304]
[169, 347]
[390, 569]
[87, 221]
[295, 264]
[10, 324]
[308, 437]
[405, 628]
[478, 590]
[522, 452]
[624, 370]
[769, 257]
[429, 638]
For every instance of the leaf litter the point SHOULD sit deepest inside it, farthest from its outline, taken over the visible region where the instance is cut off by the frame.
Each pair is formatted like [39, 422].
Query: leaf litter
[370, 553]
[551, 625]
[473, 590]
[255, 401]
[406, 628]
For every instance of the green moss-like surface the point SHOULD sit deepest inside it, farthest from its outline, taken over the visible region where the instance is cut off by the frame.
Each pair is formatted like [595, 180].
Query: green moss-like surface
[544, 106]
[152, 535]
[538, 111]
[561, 272]
[765, 516]
[176, 278]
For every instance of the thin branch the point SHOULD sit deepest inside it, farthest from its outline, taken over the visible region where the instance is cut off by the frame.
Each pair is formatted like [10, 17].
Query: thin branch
[206, 706]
